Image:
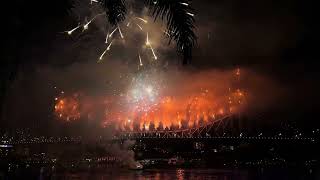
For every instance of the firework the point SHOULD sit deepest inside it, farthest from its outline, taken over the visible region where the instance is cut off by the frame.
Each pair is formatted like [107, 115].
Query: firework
[67, 108]
[166, 33]
[154, 55]
[149, 44]
[86, 25]
[106, 41]
[190, 14]
[104, 52]
[139, 27]
[91, 1]
[72, 30]
[112, 32]
[140, 60]
[148, 101]
[143, 20]
[108, 48]
[101, 56]
[185, 4]
[147, 40]
[120, 32]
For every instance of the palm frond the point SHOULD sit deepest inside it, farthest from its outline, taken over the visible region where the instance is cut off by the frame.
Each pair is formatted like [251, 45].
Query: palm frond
[180, 23]
[115, 10]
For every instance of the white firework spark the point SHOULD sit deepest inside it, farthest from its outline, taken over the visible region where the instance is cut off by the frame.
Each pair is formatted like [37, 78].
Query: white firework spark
[165, 32]
[108, 48]
[107, 38]
[104, 52]
[72, 30]
[185, 4]
[154, 55]
[149, 44]
[113, 32]
[143, 20]
[91, 1]
[121, 35]
[139, 27]
[190, 14]
[140, 60]
[101, 56]
[147, 41]
[86, 26]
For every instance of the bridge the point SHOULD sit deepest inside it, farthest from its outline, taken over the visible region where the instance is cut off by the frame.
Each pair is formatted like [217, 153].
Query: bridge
[221, 129]
[218, 129]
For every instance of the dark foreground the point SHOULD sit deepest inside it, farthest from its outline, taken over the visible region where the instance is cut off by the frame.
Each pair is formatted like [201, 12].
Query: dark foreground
[172, 173]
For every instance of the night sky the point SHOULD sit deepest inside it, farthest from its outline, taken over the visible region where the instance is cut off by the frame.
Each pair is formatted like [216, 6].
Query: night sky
[275, 39]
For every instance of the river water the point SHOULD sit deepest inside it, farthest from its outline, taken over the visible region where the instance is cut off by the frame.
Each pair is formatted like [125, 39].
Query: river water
[168, 174]
[185, 174]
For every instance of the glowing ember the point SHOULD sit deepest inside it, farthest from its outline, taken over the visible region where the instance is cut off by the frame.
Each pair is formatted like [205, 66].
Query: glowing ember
[67, 108]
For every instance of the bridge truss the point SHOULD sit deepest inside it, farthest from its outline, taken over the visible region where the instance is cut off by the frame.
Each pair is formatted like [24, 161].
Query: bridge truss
[213, 128]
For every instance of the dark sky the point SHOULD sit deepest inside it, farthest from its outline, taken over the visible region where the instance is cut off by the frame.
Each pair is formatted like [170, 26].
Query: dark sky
[276, 38]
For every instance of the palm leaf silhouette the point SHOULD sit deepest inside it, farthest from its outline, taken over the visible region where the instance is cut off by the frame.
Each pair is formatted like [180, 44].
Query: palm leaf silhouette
[178, 14]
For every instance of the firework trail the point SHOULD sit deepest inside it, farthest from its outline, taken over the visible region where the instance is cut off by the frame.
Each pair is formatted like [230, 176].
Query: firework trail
[106, 41]
[111, 34]
[95, 1]
[108, 48]
[72, 30]
[166, 33]
[139, 27]
[143, 20]
[154, 55]
[149, 44]
[140, 60]
[104, 52]
[185, 4]
[86, 26]
[190, 14]
[121, 35]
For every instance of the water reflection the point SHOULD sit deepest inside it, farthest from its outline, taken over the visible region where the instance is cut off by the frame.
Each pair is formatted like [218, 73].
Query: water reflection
[159, 174]
[164, 174]
[180, 174]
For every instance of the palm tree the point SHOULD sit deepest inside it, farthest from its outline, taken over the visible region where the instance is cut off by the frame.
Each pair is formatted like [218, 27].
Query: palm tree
[177, 13]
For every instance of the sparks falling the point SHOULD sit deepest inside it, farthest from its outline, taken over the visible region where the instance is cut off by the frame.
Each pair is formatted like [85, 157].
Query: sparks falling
[95, 1]
[190, 14]
[143, 20]
[72, 30]
[121, 35]
[139, 27]
[148, 101]
[104, 52]
[149, 44]
[111, 34]
[106, 41]
[140, 60]
[86, 25]
[185, 4]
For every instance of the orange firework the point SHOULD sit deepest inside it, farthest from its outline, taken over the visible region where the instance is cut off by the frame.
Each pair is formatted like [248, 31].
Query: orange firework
[67, 108]
[149, 103]
[188, 101]
[178, 112]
